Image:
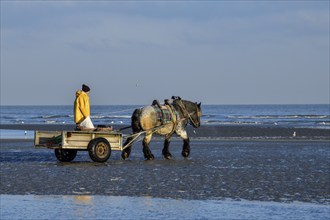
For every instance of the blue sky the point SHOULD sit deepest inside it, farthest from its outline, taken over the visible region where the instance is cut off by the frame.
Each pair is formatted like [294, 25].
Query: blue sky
[216, 52]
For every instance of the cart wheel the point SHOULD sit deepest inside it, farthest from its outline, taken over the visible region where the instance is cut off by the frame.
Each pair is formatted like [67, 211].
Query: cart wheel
[65, 155]
[99, 150]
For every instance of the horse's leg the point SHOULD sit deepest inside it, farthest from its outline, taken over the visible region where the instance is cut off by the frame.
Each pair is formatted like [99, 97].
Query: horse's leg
[146, 150]
[186, 148]
[166, 152]
[127, 151]
[186, 143]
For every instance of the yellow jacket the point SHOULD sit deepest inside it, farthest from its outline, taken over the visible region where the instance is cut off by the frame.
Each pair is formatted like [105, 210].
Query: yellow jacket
[81, 106]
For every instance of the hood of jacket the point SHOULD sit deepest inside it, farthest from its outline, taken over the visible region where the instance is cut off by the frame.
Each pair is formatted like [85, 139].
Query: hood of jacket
[79, 92]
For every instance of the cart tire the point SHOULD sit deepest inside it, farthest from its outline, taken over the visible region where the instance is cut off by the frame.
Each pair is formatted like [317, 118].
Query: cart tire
[65, 155]
[99, 150]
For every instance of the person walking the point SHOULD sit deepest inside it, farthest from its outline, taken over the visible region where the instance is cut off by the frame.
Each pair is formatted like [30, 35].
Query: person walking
[82, 109]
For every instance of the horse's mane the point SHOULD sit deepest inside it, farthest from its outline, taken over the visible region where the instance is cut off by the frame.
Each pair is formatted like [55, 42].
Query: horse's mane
[186, 103]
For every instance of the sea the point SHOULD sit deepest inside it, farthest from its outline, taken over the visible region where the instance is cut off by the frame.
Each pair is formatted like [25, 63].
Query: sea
[302, 116]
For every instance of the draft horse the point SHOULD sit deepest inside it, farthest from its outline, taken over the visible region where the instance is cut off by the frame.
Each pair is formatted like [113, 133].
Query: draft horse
[147, 119]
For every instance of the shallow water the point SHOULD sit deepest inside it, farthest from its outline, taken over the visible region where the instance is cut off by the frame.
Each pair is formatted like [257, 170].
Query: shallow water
[16, 134]
[123, 207]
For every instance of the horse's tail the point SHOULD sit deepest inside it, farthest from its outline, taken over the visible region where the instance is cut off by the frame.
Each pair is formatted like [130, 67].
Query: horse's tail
[136, 126]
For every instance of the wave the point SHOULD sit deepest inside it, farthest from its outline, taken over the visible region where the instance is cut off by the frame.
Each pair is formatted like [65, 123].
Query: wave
[51, 122]
[7, 117]
[279, 116]
[217, 122]
[71, 116]
[323, 124]
[52, 116]
[109, 117]
[209, 116]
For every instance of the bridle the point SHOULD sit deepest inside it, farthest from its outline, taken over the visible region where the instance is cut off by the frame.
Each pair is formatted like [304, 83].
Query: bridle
[186, 112]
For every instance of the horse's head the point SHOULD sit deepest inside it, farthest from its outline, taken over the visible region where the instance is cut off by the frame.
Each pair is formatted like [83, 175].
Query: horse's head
[195, 115]
[191, 110]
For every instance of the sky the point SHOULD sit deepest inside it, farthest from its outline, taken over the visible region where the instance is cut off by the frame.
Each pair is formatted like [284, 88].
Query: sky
[129, 52]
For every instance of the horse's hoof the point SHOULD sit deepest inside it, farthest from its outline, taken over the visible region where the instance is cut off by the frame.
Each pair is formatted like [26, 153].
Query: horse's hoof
[185, 154]
[124, 155]
[168, 156]
[149, 157]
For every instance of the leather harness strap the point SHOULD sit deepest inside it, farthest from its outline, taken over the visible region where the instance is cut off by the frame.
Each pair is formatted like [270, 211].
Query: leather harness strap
[186, 113]
[174, 116]
[162, 114]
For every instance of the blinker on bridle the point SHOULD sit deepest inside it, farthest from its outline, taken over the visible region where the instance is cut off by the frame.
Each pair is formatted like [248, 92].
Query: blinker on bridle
[195, 124]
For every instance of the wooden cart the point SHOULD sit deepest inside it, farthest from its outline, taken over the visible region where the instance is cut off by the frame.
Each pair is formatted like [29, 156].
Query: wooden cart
[66, 143]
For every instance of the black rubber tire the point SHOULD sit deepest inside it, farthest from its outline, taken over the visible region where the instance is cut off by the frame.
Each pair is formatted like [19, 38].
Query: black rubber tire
[99, 150]
[65, 155]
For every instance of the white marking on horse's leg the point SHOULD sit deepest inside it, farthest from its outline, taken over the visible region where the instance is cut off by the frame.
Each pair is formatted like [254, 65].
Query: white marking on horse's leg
[183, 134]
[186, 143]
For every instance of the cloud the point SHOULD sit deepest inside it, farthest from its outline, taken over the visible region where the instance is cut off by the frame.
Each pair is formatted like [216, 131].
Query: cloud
[96, 30]
[238, 51]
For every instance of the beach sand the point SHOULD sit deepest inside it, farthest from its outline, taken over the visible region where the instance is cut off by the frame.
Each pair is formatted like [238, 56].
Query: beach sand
[242, 165]
[222, 167]
[235, 132]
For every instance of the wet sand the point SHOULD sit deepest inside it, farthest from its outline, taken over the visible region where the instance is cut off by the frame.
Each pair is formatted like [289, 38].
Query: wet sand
[209, 131]
[263, 170]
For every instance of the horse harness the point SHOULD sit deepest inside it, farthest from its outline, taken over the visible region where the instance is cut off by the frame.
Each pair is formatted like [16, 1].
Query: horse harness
[186, 113]
[166, 113]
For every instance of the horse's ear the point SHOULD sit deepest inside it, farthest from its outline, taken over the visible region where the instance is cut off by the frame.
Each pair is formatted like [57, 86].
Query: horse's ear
[199, 104]
[176, 97]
